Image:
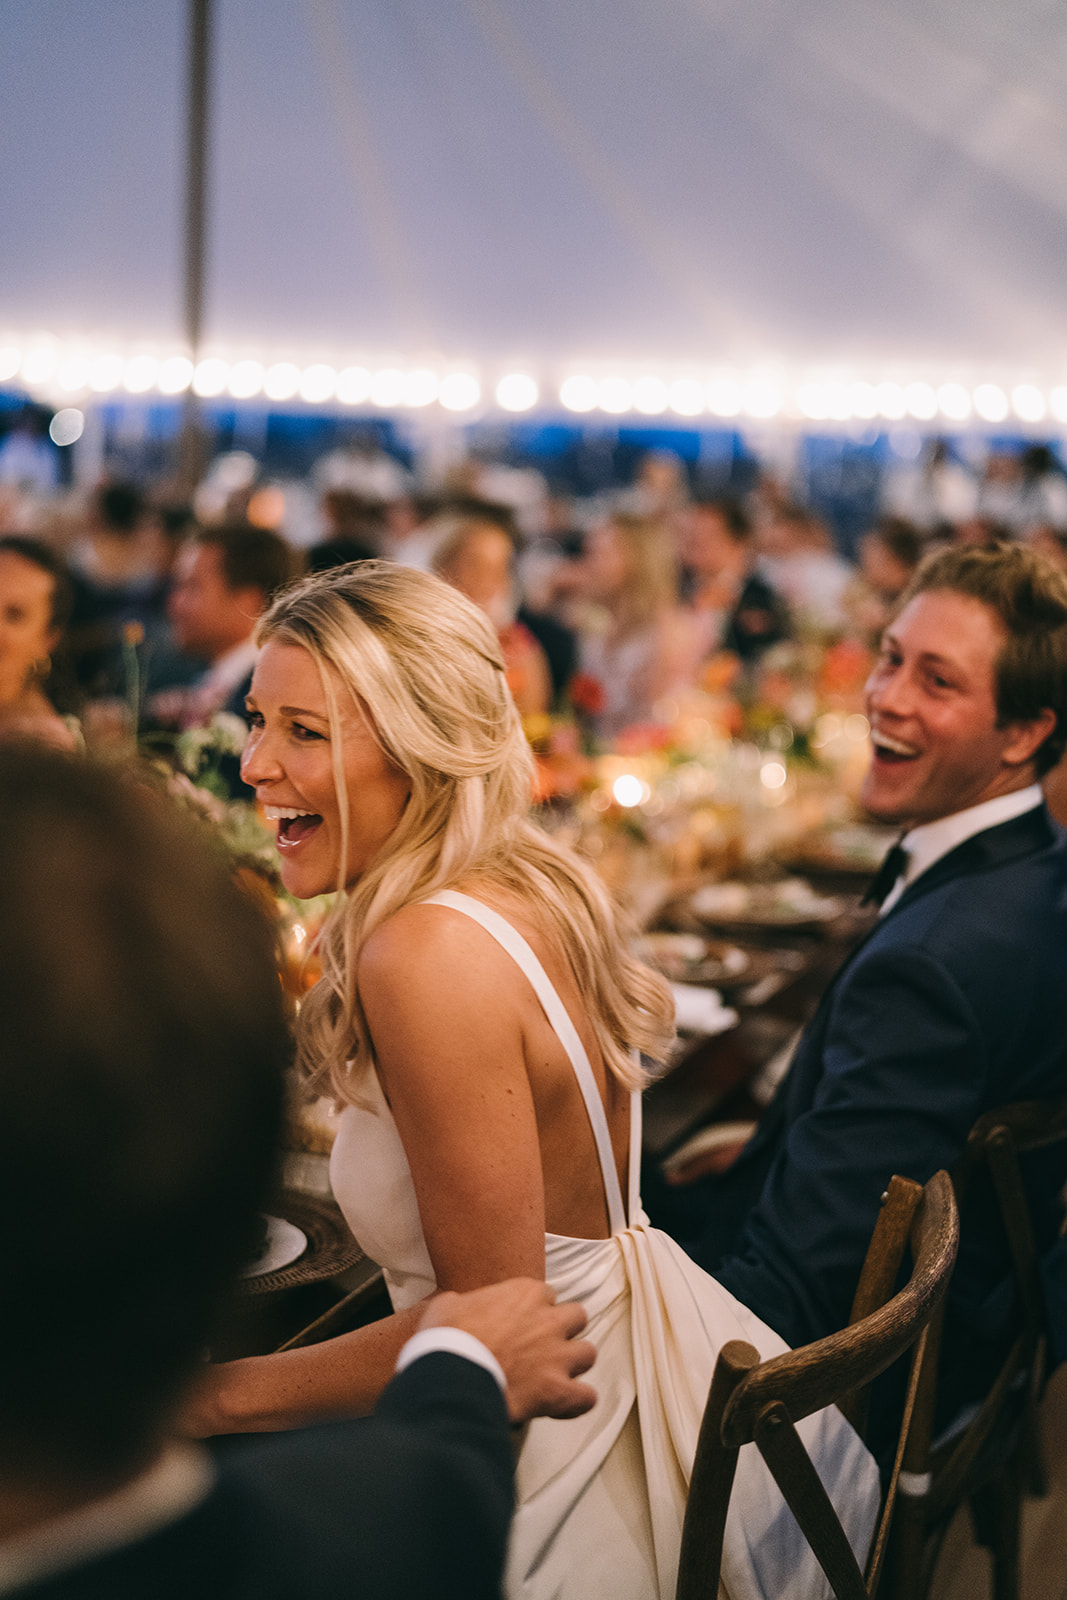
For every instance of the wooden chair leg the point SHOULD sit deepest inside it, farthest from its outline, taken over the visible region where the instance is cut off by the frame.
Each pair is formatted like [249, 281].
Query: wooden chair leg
[995, 1514]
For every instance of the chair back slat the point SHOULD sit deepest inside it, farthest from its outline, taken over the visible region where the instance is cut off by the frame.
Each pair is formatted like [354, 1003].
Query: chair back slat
[879, 1275]
[817, 1375]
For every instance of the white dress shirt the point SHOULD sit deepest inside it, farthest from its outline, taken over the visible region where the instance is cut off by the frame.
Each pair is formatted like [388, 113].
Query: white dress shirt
[932, 840]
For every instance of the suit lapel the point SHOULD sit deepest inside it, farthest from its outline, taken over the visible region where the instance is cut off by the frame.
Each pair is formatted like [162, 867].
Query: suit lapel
[1008, 841]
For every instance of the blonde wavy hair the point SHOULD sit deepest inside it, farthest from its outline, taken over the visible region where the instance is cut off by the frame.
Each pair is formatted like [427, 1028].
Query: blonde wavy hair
[424, 664]
[651, 584]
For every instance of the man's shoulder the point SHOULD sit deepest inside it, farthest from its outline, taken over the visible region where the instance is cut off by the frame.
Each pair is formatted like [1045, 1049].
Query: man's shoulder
[1000, 896]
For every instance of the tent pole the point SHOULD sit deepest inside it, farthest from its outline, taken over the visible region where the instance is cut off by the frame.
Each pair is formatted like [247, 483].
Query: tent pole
[192, 444]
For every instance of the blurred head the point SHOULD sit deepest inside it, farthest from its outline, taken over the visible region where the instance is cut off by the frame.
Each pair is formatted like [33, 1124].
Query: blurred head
[117, 509]
[789, 531]
[631, 568]
[224, 579]
[35, 605]
[968, 698]
[716, 539]
[476, 559]
[141, 1064]
[889, 555]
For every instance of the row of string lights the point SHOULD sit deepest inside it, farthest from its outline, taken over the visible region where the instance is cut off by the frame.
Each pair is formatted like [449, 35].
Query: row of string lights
[56, 371]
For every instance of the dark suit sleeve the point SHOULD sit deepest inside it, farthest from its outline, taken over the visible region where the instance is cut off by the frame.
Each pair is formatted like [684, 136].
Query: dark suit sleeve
[414, 1501]
[904, 1065]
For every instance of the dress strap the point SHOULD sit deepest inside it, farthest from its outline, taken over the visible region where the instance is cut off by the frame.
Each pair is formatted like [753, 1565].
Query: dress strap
[556, 1012]
[636, 1133]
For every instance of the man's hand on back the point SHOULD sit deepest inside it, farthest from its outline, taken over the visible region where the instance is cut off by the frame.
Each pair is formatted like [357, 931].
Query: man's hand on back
[534, 1340]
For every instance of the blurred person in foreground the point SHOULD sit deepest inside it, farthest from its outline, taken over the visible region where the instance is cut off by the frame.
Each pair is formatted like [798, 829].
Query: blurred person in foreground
[141, 1093]
[952, 1005]
[478, 559]
[35, 603]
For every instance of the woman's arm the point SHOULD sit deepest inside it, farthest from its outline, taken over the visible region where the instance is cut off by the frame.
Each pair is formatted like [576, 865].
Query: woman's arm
[451, 1059]
[341, 1377]
[444, 1006]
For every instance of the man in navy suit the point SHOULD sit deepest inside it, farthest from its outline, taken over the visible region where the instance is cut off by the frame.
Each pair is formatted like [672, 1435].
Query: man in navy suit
[141, 1093]
[955, 1002]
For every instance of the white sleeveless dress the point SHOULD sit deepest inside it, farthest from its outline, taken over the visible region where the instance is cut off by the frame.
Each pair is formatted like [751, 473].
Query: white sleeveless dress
[601, 1497]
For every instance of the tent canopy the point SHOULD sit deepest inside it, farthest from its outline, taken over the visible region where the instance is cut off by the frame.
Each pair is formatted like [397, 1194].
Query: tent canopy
[815, 183]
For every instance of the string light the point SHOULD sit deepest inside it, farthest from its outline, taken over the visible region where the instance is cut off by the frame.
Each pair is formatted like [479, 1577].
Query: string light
[211, 377]
[650, 396]
[175, 375]
[246, 379]
[318, 383]
[140, 374]
[517, 392]
[460, 391]
[54, 368]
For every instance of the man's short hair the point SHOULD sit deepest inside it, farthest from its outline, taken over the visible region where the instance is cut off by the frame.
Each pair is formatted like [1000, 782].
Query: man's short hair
[731, 512]
[141, 1064]
[1029, 596]
[251, 557]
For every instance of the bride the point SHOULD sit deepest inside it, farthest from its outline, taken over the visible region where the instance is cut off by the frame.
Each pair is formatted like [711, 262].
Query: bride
[480, 1024]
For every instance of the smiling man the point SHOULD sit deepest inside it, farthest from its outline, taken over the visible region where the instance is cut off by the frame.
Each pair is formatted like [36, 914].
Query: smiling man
[954, 1003]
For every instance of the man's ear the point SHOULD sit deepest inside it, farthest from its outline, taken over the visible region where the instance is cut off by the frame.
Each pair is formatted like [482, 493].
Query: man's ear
[1026, 738]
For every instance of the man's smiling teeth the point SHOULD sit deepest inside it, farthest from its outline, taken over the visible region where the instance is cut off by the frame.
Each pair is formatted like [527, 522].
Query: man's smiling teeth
[284, 813]
[882, 741]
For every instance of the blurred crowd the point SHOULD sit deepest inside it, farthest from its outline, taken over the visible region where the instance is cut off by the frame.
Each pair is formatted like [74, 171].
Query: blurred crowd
[127, 611]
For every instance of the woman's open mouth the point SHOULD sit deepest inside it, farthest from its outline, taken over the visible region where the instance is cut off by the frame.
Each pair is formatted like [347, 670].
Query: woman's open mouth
[293, 826]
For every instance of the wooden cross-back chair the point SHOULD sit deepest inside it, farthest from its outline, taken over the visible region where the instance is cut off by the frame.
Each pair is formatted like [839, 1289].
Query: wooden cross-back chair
[761, 1402]
[990, 1460]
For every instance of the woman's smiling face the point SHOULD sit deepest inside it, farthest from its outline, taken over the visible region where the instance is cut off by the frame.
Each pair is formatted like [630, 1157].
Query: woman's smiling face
[289, 762]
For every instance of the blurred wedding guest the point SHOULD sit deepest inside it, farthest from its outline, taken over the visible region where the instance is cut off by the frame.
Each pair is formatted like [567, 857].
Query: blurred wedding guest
[798, 559]
[477, 558]
[360, 465]
[1021, 489]
[634, 642]
[889, 555]
[731, 605]
[119, 569]
[142, 1065]
[353, 522]
[934, 493]
[28, 460]
[35, 602]
[660, 487]
[224, 578]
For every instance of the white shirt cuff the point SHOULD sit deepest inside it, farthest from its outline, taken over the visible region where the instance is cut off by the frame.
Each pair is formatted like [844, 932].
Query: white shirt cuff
[458, 1343]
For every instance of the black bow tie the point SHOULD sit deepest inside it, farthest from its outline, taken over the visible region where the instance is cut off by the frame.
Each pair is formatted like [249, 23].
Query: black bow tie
[893, 866]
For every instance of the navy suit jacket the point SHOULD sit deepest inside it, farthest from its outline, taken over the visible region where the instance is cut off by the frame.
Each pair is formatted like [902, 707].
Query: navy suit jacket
[413, 1503]
[955, 1003]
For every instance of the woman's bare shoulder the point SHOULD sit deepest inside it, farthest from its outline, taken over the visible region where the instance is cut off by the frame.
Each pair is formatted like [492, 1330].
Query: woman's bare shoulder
[435, 942]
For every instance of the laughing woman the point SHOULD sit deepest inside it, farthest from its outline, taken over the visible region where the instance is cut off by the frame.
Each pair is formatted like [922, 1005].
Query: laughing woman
[480, 1024]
